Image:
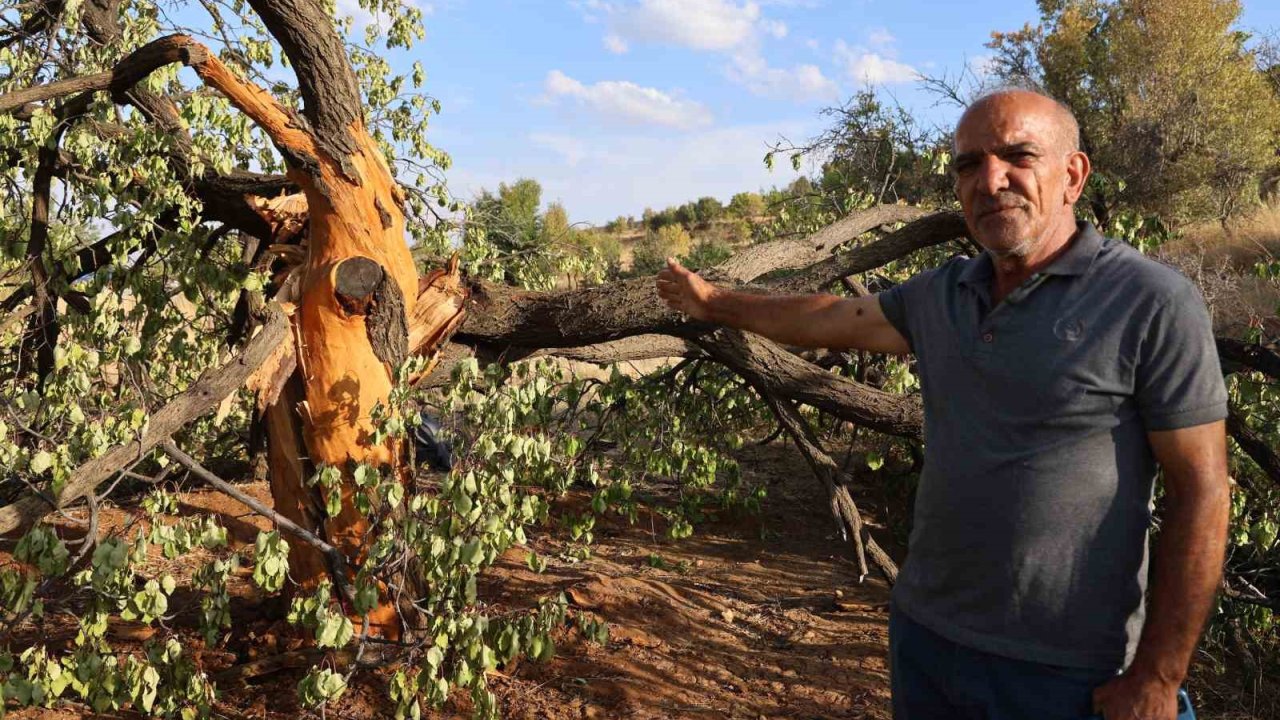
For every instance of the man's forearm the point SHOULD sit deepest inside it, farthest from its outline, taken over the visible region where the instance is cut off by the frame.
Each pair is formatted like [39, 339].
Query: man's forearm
[1187, 570]
[785, 319]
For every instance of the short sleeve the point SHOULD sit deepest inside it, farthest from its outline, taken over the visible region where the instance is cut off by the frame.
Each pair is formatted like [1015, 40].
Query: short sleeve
[1178, 379]
[904, 301]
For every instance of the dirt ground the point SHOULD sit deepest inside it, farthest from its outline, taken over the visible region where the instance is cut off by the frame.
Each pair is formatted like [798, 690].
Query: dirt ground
[752, 617]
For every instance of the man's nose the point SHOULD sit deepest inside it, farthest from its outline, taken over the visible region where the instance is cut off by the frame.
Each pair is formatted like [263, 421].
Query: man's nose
[993, 176]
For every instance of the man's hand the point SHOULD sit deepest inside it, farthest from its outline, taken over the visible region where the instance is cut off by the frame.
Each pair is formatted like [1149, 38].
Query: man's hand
[1135, 696]
[684, 291]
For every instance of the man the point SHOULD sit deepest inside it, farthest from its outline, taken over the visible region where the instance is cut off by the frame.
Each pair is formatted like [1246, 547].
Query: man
[1057, 369]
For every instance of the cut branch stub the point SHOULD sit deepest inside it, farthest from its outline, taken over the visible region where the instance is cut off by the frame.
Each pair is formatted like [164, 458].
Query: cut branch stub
[354, 282]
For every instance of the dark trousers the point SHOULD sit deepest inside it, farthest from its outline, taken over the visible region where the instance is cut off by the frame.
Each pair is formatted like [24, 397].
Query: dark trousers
[935, 679]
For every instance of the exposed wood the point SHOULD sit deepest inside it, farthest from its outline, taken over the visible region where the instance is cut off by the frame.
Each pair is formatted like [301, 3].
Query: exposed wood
[203, 396]
[288, 471]
[356, 279]
[330, 93]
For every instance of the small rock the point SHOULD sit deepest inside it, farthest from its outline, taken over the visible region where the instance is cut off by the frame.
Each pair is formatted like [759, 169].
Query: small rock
[728, 615]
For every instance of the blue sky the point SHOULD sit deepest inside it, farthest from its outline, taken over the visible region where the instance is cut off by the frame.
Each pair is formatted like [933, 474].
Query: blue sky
[618, 105]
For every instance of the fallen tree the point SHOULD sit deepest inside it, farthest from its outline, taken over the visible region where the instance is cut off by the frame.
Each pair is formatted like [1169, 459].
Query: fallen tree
[345, 319]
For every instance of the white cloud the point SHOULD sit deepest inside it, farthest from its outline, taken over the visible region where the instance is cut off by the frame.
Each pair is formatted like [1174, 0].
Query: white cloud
[571, 149]
[776, 28]
[628, 102]
[872, 68]
[615, 44]
[802, 82]
[697, 24]
[881, 39]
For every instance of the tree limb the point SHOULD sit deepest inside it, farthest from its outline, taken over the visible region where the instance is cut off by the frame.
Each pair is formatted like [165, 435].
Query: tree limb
[925, 232]
[843, 508]
[780, 374]
[791, 254]
[201, 397]
[1257, 448]
[508, 316]
[1254, 357]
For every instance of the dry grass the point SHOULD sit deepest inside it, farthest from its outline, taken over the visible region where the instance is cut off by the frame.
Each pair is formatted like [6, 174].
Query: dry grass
[1242, 242]
[1221, 260]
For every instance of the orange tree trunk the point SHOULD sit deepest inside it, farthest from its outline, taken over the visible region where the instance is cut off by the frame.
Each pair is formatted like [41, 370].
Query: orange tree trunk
[356, 291]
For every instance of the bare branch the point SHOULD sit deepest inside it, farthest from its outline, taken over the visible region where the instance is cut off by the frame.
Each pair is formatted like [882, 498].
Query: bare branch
[338, 568]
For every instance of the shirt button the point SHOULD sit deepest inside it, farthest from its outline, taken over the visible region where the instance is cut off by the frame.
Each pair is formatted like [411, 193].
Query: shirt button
[988, 337]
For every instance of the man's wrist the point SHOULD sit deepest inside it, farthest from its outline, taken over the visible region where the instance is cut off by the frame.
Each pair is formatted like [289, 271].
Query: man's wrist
[1166, 672]
[718, 306]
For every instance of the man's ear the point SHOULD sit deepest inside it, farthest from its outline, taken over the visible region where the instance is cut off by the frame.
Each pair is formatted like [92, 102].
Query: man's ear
[1078, 169]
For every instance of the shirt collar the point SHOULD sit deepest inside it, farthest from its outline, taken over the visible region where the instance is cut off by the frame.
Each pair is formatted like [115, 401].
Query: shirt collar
[1076, 260]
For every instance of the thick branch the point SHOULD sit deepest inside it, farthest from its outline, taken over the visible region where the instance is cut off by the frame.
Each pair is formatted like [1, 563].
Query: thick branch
[780, 374]
[1256, 447]
[507, 316]
[930, 230]
[791, 254]
[128, 72]
[39, 93]
[338, 568]
[1254, 357]
[201, 397]
[330, 93]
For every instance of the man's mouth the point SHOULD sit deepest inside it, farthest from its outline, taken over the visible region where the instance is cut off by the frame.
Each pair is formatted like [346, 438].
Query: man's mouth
[999, 210]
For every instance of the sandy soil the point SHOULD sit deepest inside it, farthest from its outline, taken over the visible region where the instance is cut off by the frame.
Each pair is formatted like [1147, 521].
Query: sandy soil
[752, 617]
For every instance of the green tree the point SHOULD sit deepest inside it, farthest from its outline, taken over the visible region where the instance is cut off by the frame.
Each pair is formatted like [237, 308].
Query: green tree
[709, 209]
[650, 254]
[747, 205]
[1173, 108]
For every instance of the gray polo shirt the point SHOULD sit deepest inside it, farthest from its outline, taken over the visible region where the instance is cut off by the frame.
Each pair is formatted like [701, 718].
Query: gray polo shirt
[1031, 517]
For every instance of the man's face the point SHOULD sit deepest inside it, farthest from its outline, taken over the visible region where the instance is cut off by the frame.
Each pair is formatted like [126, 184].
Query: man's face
[1011, 172]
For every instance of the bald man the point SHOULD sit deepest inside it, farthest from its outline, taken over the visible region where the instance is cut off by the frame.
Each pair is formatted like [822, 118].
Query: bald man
[1059, 369]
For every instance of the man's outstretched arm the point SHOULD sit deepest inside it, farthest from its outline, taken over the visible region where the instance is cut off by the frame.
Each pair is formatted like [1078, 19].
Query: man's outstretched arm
[1187, 568]
[807, 320]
